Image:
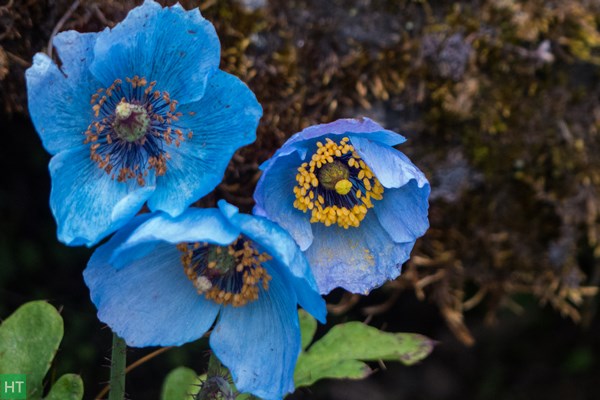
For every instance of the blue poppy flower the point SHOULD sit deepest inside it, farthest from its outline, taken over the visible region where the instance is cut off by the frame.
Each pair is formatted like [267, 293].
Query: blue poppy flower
[137, 113]
[162, 281]
[353, 203]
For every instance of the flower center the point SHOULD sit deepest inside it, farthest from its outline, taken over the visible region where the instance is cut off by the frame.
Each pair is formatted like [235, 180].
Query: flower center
[336, 185]
[132, 127]
[131, 121]
[334, 176]
[228, 275]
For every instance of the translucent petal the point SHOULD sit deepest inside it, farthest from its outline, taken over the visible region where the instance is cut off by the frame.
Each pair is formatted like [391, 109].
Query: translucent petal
[151, 302]
[403, 211]
[356, 259]
[87, 203]
[305, 141]
[223, 120]
[194, 225]
[260, 342]
[275, 197]
[59, 99]
[390, 166]
[176, 48]
[287, 257]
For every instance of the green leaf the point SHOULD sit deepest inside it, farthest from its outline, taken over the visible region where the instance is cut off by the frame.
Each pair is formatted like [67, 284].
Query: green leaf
[180, 384]
[29, 339]
[308, 327]
[68, 387]
[341, 352]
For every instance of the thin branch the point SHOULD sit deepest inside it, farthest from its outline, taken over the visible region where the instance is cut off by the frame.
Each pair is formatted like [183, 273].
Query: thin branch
[60, 24]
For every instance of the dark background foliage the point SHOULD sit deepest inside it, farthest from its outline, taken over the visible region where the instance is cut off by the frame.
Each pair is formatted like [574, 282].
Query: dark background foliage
[500, 103]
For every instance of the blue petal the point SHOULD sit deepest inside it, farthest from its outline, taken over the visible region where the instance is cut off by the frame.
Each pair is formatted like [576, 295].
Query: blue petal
[176, 48]
[390, 166]
[306, 140]
[287, 257]
[87, 204]
[275, 197]
[357, 259]
[223, 120]
[403, 211]
[194, 225]
[151, 302]
[260, 342]
[106, 251]
[59, 99]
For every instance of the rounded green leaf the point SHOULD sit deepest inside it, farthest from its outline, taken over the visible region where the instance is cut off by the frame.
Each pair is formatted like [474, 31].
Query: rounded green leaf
[68, 387]
[29, 339]
[308, 327]
[180, 384]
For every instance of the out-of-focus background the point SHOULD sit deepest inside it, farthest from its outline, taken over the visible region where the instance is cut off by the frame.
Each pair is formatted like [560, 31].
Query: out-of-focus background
[500, 102]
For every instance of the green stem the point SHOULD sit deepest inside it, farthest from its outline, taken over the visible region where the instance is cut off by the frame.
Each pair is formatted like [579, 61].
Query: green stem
[117, 369]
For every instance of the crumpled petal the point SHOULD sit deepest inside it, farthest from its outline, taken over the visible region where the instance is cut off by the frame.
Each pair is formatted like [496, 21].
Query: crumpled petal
[403, 212]
[59, 99]
[390, 166]
[287, 257]
[306, 140]
[357, 260]
[86, 202]
[194, 225]
[403, 209]
[178, 49]
[151, 302]
[224, 119]
[260, 342]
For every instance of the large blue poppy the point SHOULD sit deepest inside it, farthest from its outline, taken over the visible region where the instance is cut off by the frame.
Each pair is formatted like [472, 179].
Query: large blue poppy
[163, 280]
[353, 203]
[137, 113]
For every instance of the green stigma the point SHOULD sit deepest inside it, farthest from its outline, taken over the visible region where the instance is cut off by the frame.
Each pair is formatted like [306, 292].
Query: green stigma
[221, 258]
[131, 121]
[334, 176]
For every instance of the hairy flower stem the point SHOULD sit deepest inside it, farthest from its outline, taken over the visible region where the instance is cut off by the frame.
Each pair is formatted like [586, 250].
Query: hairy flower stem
[218, 385]
[117, 369]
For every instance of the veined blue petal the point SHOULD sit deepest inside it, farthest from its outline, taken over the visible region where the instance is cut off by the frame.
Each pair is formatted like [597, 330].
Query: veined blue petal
[274, 195]
[224, 119]
[59, 99]
[151, 302]
[176, 48]
[390, 166]
[260, 342]
[86, 202]
[356, 259]
[105, 252]
[306, 140]
[403, 211]
[287, 257]
[194, 225]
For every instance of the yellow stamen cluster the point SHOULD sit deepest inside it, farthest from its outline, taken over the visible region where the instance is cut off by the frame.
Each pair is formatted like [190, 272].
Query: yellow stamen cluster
[216, 281]
[101, 133]
[311, 192]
